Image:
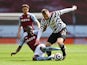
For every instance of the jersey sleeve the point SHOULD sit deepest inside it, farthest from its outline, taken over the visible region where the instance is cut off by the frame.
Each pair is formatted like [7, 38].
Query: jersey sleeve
[43, 24]
[56, 13]
[34, 18]
[66, 10]
[19, 21]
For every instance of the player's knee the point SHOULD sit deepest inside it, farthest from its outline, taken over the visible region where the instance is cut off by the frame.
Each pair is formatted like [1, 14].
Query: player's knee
[48, 44]
[42, 47]
[60, 41]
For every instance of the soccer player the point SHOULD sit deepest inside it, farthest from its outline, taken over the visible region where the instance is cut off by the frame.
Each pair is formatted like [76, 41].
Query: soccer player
[29, 38]
[53, 20]
[39, 50]
[26, 19]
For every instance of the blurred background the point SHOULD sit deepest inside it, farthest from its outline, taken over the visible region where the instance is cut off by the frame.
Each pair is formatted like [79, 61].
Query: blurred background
[76, 21]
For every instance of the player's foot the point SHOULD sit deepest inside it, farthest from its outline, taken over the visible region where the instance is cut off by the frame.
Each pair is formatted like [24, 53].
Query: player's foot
[51, 56]
[64, 56]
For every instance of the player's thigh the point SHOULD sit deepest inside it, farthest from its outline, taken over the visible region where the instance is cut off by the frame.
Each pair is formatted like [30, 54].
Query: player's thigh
[60, 40]
[38, 51]
[61, 36]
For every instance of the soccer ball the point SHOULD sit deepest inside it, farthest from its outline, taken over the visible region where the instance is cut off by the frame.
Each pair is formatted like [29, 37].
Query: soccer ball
[58, 56]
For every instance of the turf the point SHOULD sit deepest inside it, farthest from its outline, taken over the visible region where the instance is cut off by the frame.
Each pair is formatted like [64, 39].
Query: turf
[76, 55]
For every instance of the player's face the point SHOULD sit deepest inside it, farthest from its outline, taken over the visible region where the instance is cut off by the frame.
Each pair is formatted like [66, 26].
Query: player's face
[25, 10]
[29, 30]
[46, 15]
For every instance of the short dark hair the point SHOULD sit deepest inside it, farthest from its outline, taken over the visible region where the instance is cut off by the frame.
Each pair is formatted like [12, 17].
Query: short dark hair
[44, 11]
[25, 5]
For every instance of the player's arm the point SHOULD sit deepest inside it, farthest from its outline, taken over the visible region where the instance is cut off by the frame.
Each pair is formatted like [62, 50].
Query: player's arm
[38, 24]
[40, 31]
[19, 30]
[66, 10]
[18, 34]
[17, 50]
[21, 42]
[43, 25]
[38, 36]
[35, 20]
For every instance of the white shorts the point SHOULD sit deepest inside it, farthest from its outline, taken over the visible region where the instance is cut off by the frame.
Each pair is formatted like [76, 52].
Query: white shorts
[38, 51]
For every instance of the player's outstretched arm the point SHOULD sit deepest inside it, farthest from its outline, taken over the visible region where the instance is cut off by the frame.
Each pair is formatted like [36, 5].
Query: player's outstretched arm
[18, 49]
[66, 10]
[38, 36]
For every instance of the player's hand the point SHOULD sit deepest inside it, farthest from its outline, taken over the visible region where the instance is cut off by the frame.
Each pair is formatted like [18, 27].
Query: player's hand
[74, 7]
[13, 53]
[36, 43]
[64, 57]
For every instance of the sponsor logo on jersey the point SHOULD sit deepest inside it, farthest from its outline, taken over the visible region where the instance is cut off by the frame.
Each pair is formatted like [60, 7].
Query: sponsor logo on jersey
[24, 20]
[30, 39]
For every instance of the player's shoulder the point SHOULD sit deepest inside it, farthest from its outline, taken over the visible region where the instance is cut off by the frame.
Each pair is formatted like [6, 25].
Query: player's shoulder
[56, 13]
[21, 16]
[31, 14]
[27, 14]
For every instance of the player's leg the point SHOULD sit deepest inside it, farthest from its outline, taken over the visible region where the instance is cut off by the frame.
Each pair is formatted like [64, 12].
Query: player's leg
[44, 58]
[62, 46]
[49, 49]
[51, 40]
[61, 39]
[48, 45]
[38, 52]
[38, 55]
[38, 58]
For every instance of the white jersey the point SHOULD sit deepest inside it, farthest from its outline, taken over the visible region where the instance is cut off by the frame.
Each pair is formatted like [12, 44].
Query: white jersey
[55, 21]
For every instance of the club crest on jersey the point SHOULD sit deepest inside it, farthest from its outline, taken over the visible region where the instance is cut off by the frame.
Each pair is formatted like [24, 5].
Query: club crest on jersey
[24, 20]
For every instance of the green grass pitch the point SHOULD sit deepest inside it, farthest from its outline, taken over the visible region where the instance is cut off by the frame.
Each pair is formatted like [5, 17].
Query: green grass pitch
[76, 55]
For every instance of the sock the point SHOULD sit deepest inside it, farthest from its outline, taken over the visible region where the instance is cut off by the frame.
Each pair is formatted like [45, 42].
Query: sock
[48, 53]
[49, 49]
[63, 49]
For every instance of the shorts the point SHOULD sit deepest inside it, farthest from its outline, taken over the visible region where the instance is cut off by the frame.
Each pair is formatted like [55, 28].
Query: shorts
[53, 37]
[38, 51]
